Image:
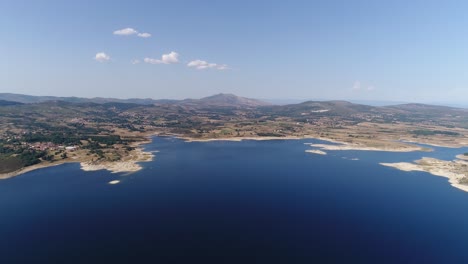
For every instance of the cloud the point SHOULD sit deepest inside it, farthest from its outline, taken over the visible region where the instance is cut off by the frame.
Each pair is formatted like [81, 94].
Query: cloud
[170, 58]
[101, 57]
[357, 86]
[144, 35]
[125, 32]
[201, 65]
[135, 61]
[131, 31]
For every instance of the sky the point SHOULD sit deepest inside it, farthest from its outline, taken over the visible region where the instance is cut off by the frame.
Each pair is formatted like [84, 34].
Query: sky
[410, 51]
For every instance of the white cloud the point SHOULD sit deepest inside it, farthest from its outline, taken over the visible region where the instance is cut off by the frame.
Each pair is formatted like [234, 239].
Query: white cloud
[144, 35]
[222, 67]
[125, 32]
[135, 61]
[201, 65]
[152, 61]
[131, 31]
[356, 86]
[170, 58]
[101, 57]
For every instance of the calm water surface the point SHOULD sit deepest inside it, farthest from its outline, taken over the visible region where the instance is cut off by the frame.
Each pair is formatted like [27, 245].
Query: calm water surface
[237, 202]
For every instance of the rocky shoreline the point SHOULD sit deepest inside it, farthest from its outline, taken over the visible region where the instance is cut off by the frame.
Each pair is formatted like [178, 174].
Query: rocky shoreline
[455, 171]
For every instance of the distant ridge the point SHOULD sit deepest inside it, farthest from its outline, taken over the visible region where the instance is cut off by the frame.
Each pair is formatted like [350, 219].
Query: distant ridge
[340, 108]
[31, 99]
[7, 103]
[415, 106]
[229, 100]
[234, 101]
[226, 100]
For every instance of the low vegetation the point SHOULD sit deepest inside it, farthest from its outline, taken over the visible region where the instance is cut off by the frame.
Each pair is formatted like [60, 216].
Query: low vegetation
[426, 132]
[54, 130]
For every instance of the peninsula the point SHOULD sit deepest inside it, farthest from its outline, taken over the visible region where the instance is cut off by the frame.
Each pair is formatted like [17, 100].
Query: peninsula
[456, 171]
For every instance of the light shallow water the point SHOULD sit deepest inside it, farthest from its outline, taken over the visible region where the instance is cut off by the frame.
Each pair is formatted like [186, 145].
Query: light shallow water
[237, 202]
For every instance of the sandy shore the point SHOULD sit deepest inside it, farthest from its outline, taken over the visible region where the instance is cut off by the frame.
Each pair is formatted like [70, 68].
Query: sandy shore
[450, 143]
[31, 168]
[238, 139]
[462, 157]
[316, 151]
[382, 145]
[453, 170]
[388, 147]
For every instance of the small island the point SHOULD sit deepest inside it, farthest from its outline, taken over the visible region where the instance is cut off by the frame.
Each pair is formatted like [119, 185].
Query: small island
[316, 151]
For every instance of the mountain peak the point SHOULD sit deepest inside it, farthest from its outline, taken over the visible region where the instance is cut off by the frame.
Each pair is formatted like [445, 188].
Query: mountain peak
[227, 99]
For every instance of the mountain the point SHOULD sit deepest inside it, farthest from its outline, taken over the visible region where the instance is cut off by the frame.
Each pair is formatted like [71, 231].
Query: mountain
[430, 110]
[318, 108]
[22, 98]
[424, 107]
[224, 100]
[31, 99]
[309, 109]
[221, 100]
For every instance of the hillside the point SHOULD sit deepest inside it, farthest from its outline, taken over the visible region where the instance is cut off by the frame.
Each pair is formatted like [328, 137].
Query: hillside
[220, 100]
[224, 100]
[314, 108]
[31, 133]
[31, 99]
[8, 103]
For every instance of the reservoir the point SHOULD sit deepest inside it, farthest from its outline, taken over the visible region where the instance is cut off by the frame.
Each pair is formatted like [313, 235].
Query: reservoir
[237, 202]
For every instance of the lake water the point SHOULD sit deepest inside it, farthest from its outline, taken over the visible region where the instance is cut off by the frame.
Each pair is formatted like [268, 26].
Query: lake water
[237, 202]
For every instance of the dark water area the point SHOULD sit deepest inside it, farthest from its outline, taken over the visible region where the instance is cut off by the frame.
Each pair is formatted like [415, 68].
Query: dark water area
[237, 202]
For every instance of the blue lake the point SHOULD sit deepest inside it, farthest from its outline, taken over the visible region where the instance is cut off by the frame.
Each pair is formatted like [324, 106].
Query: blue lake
[237, 202]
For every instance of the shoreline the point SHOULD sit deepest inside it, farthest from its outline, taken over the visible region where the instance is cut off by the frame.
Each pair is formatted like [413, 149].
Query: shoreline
[42, 165]
[388, 146]
[239, 139]
[423, 142]
[454, 170]
[130, 163]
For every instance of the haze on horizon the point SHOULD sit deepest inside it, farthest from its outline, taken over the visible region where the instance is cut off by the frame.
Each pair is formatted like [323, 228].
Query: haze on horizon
[348, 50]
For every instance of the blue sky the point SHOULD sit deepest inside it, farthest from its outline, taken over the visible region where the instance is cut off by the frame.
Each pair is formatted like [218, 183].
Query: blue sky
[355, 50]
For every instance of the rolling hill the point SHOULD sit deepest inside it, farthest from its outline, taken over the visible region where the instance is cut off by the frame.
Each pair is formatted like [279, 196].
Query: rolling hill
[219, 100]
